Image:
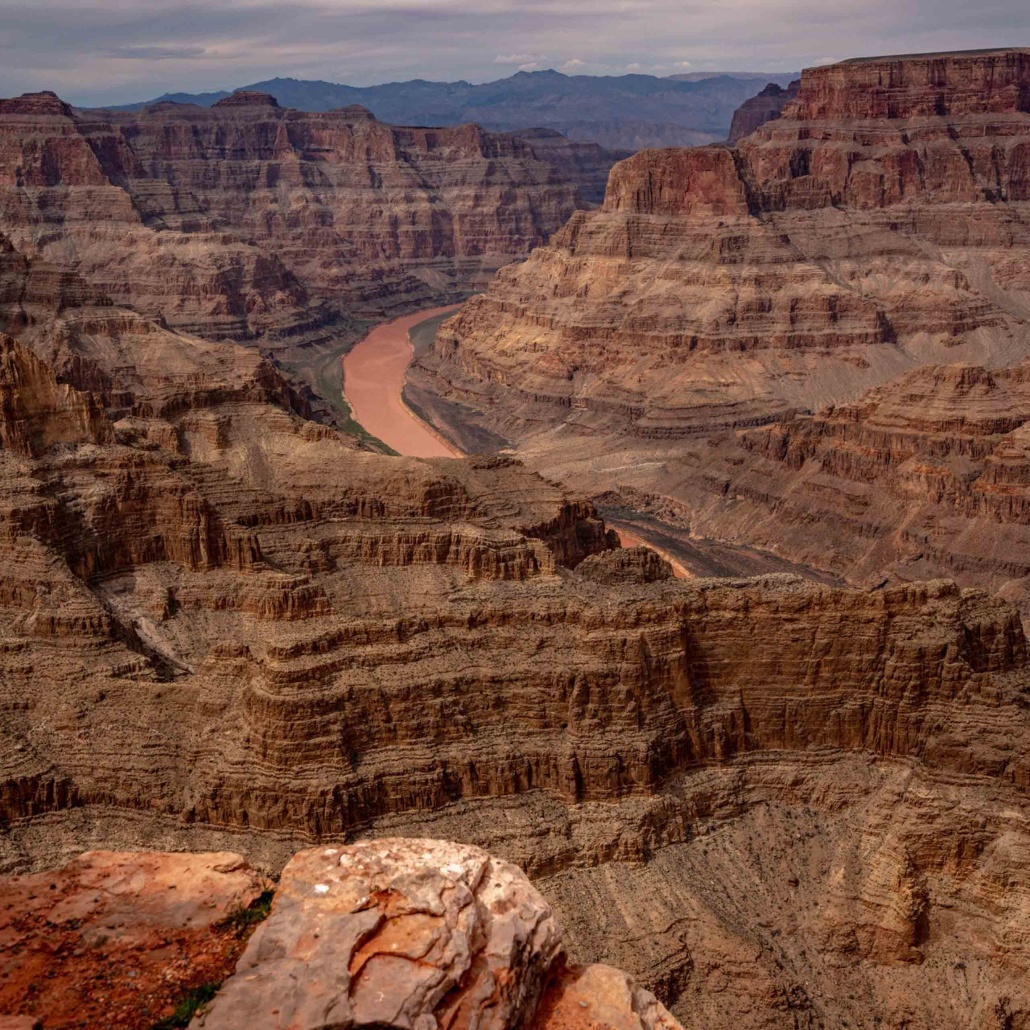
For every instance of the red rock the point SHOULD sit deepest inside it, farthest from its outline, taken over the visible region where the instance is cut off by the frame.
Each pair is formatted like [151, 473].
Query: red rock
[877, 225]
[765, 107]
[246, 219]
[412, 934]
[114, 939]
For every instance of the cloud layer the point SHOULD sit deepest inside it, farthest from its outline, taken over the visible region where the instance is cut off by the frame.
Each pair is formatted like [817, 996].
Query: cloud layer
[104, 51]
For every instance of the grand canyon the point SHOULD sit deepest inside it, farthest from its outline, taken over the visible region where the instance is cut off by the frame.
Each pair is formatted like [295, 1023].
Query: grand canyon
[692, 691]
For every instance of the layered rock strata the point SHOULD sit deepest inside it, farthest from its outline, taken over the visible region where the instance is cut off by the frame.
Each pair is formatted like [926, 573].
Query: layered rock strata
[225, 626]
[249, 220]
[878, 225]
[264, 634]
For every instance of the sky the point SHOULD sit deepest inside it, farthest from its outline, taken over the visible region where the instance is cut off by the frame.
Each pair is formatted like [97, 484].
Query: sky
[117, 51]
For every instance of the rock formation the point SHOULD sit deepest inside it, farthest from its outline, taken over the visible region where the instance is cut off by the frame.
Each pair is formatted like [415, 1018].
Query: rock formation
[764, 107]
[248, 219]
[255, 634]
[877, 226]
[226, 626]
[412, 933]
[390, 933]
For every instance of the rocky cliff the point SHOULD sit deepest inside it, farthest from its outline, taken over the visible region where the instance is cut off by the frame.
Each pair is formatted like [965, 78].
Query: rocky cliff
[878, 225]
[764, 107]
[391, 933]
[224, 626]
[248, 219]
[263, 635]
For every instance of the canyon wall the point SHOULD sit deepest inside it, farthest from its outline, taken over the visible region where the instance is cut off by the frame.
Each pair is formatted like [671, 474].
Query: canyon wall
[877, 226]
[228, 627]
[249, 220]
[765, 107]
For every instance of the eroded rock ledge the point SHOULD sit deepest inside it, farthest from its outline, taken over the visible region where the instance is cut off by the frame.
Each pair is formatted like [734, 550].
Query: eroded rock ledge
[405, 934]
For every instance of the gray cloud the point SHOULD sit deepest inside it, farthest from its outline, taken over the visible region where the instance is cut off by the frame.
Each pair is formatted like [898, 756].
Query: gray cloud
[103, 51]
[155, 53]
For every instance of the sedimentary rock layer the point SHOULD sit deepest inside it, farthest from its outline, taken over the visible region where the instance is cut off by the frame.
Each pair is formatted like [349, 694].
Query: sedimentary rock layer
[247, 219]
[878, 225]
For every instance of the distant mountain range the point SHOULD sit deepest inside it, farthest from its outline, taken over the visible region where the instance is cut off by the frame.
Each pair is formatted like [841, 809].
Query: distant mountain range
[624, 112]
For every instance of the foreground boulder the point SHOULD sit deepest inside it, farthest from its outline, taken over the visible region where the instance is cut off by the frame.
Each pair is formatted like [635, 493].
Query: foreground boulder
[418, 934]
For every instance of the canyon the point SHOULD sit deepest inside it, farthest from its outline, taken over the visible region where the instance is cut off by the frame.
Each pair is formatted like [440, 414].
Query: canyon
[248, 221]
[232, 626]
[859, 258]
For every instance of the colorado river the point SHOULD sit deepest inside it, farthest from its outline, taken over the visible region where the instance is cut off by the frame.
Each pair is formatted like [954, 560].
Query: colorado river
[373, 378]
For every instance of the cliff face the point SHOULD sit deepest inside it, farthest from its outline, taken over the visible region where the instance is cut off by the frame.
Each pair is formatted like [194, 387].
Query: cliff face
[879, 224]
[224, 624]
[248, 219]
[765, 107]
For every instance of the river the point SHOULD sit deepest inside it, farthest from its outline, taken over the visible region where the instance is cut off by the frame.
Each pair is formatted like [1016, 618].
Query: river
[373, 381]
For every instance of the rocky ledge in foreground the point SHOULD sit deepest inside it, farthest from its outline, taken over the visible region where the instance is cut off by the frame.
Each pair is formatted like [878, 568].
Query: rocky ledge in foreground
[406, 934]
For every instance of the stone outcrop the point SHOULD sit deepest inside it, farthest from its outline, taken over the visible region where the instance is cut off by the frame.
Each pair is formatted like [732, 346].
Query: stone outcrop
[877, 225]
[765, 107]
[413, 933]
[116, 939]
[388, 933]
[249, 220]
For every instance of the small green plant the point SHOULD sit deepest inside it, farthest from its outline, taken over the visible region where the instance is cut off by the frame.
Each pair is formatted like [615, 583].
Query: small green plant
[192, 1001]
[245, 917]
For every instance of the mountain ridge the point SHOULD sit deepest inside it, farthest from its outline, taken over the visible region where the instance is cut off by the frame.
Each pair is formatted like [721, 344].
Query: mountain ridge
[662, 111]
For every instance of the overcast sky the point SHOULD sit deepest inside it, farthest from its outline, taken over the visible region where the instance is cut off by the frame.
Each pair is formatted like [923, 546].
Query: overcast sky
[109, 51]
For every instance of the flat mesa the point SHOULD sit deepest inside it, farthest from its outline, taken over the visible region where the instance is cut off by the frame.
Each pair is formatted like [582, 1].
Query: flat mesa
[373, 378]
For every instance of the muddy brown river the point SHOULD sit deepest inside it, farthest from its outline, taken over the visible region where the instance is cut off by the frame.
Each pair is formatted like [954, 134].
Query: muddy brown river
[373, 378]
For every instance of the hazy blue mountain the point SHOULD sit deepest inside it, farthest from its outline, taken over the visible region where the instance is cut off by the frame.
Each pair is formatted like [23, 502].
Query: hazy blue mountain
[623, 112]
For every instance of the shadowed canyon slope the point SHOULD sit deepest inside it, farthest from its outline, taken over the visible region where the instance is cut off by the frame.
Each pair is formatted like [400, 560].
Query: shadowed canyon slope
[880, 224]
[224, 625]
[248, 220]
